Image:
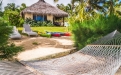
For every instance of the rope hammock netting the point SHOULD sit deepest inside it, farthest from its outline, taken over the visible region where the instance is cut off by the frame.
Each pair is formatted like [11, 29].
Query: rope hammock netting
[102, 57]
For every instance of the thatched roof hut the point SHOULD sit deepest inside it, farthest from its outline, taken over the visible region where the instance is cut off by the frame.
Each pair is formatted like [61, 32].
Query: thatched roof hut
[43, 8]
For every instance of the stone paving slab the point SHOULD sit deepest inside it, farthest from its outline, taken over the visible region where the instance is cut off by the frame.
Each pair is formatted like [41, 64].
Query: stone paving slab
[14, 68]
[43, 53]
[46, 52]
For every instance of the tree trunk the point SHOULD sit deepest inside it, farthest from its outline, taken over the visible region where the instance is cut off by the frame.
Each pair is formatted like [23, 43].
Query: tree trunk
[111, 7]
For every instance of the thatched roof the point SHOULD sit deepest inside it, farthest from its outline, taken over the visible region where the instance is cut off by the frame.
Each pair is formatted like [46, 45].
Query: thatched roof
[43, 8]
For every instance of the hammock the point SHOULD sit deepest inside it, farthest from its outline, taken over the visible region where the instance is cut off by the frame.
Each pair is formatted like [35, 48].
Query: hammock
[113, 38]
[102, 58]
[91, 60]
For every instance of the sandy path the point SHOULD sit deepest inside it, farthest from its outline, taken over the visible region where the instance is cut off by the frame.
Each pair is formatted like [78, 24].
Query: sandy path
[43, 46]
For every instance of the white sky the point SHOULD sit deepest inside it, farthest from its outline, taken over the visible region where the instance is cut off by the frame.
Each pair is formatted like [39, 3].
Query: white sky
[30, 2]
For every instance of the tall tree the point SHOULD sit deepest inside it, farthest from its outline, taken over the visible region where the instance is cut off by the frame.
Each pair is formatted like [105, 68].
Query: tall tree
[102, 5]
[23, 6]
[99, 5]
[72, 2]
[11, 6]
[1, 5]
[12, 14]
[61, 6]
[67, 8]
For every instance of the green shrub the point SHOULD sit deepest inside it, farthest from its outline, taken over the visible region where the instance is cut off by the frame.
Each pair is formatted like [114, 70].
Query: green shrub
[34, 23]
[49, 24]
[88, 31]
[7, 50]
[35, 43]
[14, 18]
[5, 31]
[10, 50]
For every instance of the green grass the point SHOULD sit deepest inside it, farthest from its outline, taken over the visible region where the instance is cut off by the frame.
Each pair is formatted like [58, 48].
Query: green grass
[50, 29]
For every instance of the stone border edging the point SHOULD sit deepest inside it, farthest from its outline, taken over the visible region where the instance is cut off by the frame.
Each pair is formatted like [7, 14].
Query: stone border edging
[56, 55]
[30, 68]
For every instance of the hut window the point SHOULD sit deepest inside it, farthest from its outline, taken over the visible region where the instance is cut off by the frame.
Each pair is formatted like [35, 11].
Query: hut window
[39, 18]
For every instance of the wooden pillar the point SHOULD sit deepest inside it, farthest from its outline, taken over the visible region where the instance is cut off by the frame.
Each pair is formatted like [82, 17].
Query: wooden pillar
[36, 16]
[43, 17]
[22, 14]
[53, 19]
[63, 21]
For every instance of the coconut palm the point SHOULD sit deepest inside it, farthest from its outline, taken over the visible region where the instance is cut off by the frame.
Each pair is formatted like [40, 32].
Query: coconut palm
[99, 5]
[61, 6]
[23, 6]
[67, 8]
[103, 5]
[72, 2]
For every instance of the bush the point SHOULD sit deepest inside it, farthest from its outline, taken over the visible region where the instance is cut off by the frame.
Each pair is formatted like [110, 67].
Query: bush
[7, 50]
[89, 31]
[5, 30]
[34, 23]
[10, 50]
[35, 43]
[14, 18]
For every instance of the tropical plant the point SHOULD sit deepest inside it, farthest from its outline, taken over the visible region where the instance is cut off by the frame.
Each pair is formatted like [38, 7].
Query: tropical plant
[7, 50]
[67, 8]
[105, 6]
[34, 23]
[12, 14]
[87, 28]
[12, 7]
[1, 13]
[61, 6]
[13, 18]
[72, 2]
[23, 6]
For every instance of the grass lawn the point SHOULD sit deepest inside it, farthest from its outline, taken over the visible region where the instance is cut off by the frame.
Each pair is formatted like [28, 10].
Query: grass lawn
[50, 29]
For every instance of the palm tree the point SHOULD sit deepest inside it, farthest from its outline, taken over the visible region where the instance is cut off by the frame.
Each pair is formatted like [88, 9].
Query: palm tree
[96, 5]
[23, 6]
[61, 6]
[67, 8]
[72, 2]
